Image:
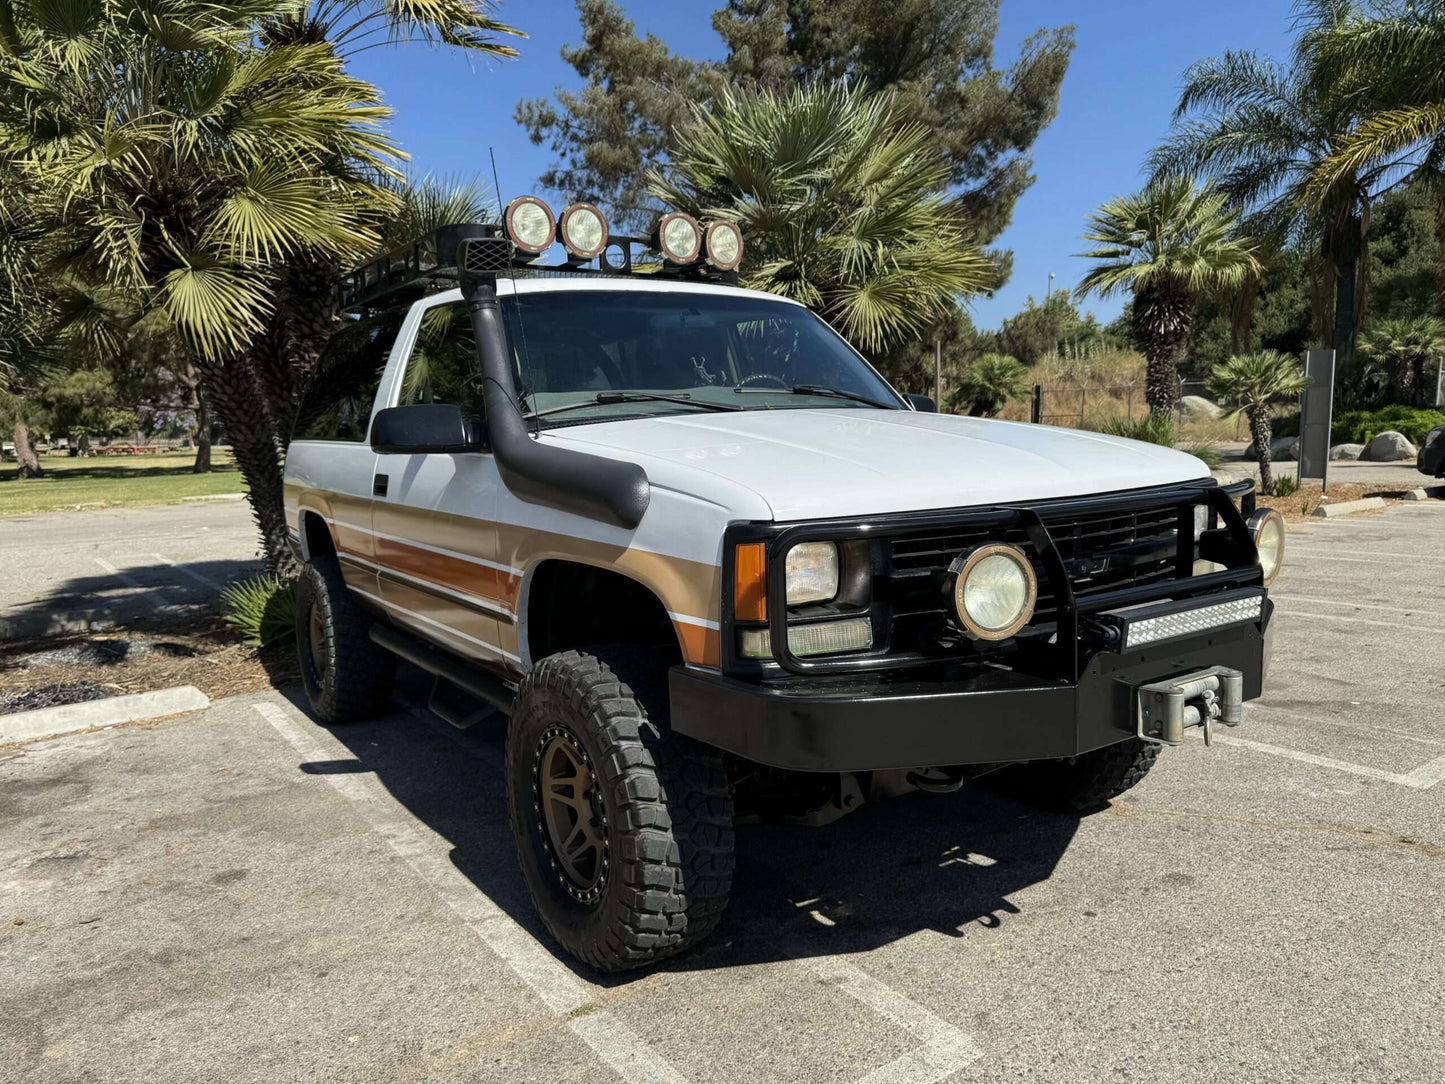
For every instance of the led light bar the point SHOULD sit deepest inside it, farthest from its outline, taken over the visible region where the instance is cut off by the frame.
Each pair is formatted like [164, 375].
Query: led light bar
[814, 638]
[1176, 620]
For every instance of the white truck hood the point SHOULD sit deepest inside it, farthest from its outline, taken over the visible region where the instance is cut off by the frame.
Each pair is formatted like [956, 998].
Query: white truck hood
[847, 462]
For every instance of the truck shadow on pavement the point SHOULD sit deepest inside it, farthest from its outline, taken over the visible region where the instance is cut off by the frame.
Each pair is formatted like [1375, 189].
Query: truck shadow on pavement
[947, 863]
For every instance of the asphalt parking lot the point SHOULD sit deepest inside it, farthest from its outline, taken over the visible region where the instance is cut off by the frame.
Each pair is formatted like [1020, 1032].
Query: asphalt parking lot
[241, 895]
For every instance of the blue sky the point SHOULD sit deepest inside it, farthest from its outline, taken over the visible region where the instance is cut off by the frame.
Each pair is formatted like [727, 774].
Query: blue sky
[1121, 88]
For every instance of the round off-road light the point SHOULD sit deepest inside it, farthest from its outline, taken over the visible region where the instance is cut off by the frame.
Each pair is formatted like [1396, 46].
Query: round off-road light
[1266, 526]
[679, 237]
[994, 591]
[723, 244]
[530, 224]
[583, 229]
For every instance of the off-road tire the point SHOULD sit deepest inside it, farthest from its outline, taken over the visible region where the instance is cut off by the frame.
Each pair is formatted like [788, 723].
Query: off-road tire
[1088, 781]
[666, 804]
[356, 681]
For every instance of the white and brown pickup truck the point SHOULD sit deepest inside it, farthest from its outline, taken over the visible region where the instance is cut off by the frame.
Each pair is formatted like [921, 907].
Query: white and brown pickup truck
[711, 564]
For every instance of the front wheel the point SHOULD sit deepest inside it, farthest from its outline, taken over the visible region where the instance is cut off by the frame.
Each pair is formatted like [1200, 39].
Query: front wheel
[624, 830]
[1087, 781]
[347, 677]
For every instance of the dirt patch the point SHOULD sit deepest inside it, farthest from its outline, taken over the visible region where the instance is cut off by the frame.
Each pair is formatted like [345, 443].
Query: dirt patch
[209, 656]
[1301, 504]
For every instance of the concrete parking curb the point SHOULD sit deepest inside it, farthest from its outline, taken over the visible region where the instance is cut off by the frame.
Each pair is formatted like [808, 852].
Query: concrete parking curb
[214, 497]
[1344, 508]
[95, 714]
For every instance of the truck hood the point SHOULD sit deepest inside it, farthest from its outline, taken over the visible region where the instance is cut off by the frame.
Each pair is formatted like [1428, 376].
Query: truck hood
[846, 462]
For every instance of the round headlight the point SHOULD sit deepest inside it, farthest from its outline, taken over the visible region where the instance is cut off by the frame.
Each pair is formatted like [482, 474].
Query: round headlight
[723, 243]
[994, 591]
[584, 230]
[1267, 527]
[679, 237]
[530, 224]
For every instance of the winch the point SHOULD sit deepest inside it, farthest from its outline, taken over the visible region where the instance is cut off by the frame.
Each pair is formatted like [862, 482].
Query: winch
[1168, 708]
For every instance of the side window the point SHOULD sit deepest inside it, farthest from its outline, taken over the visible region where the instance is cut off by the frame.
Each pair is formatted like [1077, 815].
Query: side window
[443, 366]
[342, 388]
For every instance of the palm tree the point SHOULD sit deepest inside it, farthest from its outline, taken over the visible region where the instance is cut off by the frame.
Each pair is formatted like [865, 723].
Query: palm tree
[1252, 382]
[1399, 353]
[1265, 133]
[1166, 245]
[1391, 65]
[842, 205]
[211, 172]
[990, 382]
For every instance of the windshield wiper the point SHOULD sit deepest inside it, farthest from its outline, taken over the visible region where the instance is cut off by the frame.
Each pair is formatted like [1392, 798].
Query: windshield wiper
[839, 393]
[606, 398]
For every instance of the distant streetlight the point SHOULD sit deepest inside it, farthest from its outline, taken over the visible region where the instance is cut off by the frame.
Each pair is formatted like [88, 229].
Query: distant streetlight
[1050, 291]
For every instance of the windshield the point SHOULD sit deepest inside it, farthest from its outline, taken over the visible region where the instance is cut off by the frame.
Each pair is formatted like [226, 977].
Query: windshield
[572, 348]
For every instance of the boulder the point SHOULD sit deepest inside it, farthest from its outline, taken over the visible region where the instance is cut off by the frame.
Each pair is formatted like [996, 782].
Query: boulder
[1284, 450]
[1347, 451]
[1195, 407]
[1389, 447]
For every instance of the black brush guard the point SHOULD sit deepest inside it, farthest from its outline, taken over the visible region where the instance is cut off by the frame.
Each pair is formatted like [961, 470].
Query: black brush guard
[1075, 692]
[1230, 544]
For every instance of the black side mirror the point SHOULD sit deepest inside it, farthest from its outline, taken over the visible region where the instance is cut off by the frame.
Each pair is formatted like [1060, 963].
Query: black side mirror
[922, 403]
[424, 427]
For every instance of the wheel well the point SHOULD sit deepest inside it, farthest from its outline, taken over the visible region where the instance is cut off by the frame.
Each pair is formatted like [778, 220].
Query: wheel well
[572, 605]
[317, 536]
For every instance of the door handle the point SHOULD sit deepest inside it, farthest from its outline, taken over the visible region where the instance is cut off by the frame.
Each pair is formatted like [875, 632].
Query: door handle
[378, 485]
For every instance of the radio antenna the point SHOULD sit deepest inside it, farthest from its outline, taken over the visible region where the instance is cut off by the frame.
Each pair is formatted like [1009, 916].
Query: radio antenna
[496, 181]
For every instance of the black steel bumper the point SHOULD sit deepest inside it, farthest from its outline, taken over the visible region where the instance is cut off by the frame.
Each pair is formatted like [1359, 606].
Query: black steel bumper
[871, 722]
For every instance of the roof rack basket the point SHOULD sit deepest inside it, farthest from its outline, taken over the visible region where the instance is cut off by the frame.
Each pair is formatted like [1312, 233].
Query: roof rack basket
[429, 264]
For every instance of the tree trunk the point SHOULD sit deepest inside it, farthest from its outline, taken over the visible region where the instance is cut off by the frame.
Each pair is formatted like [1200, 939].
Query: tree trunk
[1161, 376]
[202, 408]
[1241, 316]
[1259, 428]
[304, 319]
[235, 392]
[83, 445]
[1344, 242]
[25, 453]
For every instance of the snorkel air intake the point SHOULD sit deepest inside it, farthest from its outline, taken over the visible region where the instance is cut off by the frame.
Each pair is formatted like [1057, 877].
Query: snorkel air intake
[589, 485]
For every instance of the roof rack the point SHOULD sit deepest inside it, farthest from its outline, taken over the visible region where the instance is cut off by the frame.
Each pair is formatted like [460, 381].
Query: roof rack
[429, 265]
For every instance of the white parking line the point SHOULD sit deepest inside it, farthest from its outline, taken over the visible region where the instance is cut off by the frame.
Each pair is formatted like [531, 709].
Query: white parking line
[1422, 778]
[1359, 621]
[131, 582]
[204, 581]
[1327, 551]
[612, 1040]
[945, 1048]
[1409, 610]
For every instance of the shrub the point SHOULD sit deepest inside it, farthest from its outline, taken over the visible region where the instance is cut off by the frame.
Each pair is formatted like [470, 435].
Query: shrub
[1284, 485]
[1358, 426]
[1154, 428]
[262, 609]
[991, 381]
[1204, 450]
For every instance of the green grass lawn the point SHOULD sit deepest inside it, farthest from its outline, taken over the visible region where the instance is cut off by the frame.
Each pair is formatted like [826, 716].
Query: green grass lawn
[112, 482]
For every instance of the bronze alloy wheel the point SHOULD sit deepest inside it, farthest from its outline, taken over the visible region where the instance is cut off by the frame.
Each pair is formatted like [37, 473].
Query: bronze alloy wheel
[316, 633]
[569, 807]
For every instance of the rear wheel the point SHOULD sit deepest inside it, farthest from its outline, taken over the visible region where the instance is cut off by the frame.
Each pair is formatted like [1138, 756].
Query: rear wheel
[624, 830]
[1087, 781]
[347, 677]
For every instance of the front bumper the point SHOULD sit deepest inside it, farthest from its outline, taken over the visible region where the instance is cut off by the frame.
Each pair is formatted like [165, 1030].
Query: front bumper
[872, 722]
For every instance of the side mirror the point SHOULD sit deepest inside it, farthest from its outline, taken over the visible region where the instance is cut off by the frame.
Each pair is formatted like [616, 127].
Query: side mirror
[922, 403]
[424, 427]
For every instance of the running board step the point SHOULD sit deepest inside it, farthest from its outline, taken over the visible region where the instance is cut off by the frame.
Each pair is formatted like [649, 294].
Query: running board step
[468, 679]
